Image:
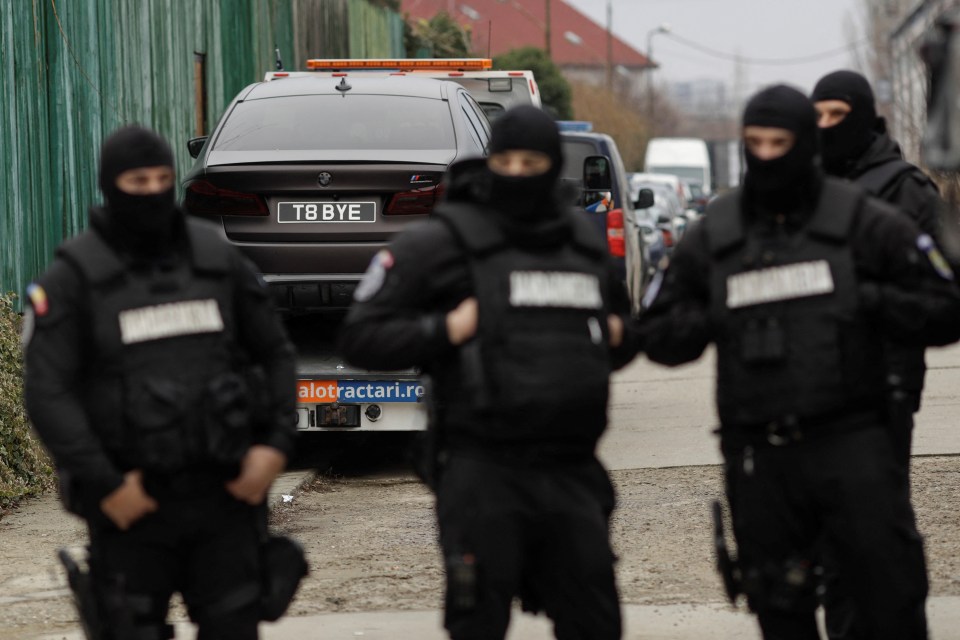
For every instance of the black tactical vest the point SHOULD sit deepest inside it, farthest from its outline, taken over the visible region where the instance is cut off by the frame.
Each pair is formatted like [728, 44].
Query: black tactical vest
[878, 180]
[540, 362]
[159, 351]
[791, 345]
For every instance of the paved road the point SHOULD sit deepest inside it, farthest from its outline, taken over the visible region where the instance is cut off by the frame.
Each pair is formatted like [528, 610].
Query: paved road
[659, 418]
[663, 417]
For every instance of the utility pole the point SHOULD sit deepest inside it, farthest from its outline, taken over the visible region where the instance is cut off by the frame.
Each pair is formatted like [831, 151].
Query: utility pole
[547, 30]
[610, 45]
[651, 102]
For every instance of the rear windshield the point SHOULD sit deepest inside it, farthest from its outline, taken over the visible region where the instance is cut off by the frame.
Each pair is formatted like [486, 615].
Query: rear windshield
[338, 122]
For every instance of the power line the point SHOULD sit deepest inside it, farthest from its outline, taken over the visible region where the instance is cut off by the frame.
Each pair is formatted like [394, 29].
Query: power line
[733, 57]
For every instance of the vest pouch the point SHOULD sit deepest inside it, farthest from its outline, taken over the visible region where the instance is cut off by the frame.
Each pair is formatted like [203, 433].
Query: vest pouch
[549, 374]
[762, 341]
[103, 404]
[156, 412]
[228, 423]
[864, 367]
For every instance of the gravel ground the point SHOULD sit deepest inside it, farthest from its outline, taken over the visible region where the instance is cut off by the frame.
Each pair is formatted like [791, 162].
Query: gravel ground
[371, 543]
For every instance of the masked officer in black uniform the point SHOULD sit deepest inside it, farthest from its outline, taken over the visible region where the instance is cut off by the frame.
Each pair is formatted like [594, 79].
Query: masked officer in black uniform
[142, 340]
[504, 298]
[799, 280]
[856, 146]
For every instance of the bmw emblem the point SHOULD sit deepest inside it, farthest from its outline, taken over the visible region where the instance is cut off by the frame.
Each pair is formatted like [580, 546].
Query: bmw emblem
[324, 179]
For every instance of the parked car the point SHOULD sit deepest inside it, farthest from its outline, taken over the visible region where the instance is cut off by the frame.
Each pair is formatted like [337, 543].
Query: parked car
[680, 188]
[698, 198]
[312, 176]
[611, 208]
[653, 236]
[667, 211]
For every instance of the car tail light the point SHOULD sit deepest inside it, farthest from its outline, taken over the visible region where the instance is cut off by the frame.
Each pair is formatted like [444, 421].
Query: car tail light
[415, 202]
[615, 239]
[667, 237]
[205, 199]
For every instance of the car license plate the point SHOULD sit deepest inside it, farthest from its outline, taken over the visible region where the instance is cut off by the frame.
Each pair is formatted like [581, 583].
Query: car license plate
[307, 212]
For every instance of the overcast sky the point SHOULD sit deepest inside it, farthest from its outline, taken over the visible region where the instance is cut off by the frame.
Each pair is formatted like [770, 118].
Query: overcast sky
[761, 29]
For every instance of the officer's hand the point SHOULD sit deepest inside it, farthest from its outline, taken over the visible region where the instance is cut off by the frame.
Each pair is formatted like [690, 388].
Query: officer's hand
[462, 322]
[260, 467]
[615, 325]
[129, 502]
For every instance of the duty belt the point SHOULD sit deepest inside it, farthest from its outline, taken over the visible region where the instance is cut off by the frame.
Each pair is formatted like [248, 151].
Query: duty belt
[189, 482]
[793, 429]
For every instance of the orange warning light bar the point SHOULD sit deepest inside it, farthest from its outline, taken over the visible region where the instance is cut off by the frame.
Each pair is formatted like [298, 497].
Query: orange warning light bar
[402, 64]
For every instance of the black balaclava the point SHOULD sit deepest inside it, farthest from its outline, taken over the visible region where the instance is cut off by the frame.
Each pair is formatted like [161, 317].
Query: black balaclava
[846, 141]
[784, 184]
[140, 223]
[530, 198]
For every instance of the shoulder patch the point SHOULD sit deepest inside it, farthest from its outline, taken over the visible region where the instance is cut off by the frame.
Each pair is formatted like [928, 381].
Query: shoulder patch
[929, 248]
[375, 276]
[38, 298]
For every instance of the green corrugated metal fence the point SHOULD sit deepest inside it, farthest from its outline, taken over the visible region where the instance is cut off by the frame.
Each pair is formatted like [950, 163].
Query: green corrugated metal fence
[75, 70]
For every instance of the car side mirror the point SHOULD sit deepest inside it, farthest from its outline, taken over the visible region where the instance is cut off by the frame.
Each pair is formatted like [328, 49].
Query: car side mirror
[195, 145]
[596, 174]
[664, 218]
[644, 199]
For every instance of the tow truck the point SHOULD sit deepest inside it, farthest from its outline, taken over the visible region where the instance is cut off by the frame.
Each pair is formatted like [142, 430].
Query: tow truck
[495, 90]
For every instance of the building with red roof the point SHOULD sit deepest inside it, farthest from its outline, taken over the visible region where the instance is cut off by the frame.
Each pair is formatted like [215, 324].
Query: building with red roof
[577, 44]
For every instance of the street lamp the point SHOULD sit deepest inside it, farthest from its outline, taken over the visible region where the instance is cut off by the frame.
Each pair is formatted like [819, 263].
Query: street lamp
[651, 109]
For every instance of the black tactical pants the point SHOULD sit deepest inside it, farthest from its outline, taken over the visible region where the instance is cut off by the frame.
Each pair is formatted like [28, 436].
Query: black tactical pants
[839, 611]
[540, 533]
[843, 491]
[202, 543]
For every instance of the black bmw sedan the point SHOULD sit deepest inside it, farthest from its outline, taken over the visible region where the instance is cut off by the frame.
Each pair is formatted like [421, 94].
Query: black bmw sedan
[310, 177]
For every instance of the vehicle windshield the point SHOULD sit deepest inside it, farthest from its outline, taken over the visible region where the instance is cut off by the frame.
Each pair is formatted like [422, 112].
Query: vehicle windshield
[574, 155]
[691, 173]
[337, 122]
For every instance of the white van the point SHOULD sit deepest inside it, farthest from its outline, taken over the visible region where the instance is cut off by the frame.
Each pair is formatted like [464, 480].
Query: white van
[686, 158]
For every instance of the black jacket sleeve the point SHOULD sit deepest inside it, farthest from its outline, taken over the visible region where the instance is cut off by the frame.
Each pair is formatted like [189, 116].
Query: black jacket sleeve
[398, 318]
[676, 329]
[911, 289]
[53, 360]
[916, 196]
[262, 335]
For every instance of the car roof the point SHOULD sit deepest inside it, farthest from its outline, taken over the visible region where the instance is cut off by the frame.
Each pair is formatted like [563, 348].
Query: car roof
[407, 86]
[586, 135]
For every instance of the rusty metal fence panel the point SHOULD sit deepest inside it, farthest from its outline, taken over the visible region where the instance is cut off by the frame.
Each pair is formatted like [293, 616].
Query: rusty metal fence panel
[74, 71]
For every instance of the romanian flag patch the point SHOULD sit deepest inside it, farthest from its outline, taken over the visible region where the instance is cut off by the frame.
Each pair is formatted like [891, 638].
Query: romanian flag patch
[38, 298]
